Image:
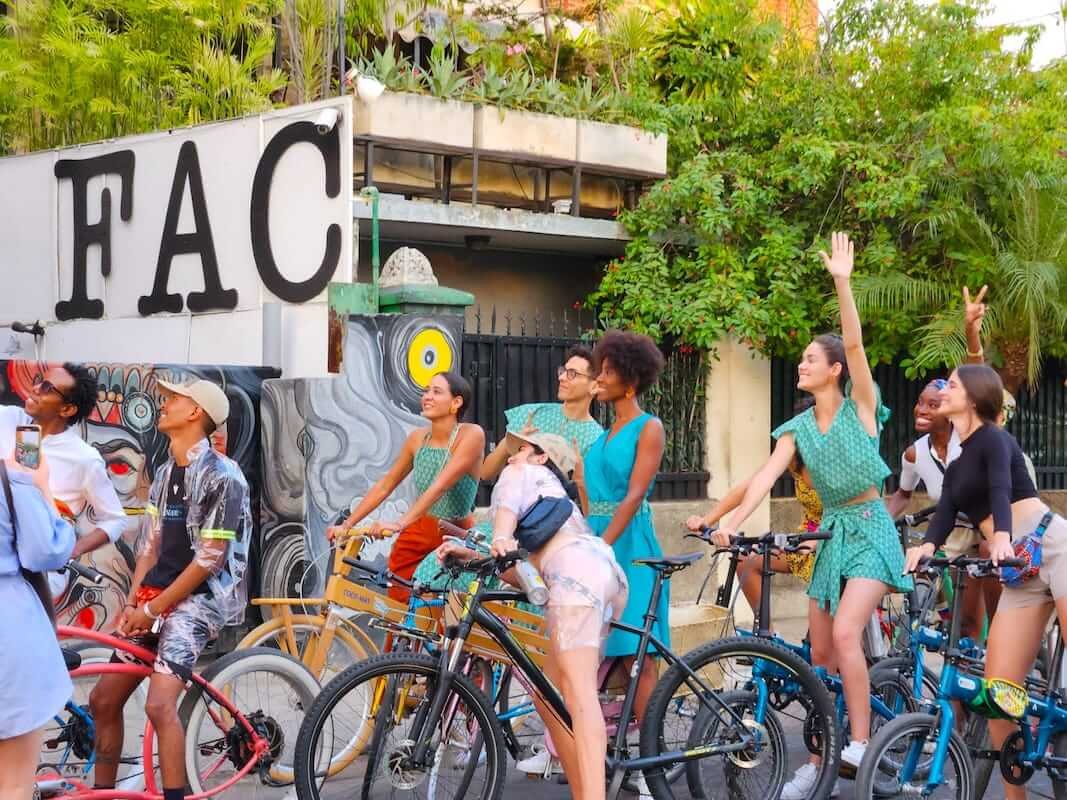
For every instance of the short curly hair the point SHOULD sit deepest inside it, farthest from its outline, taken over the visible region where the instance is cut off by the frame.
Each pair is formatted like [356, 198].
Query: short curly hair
[636, 358]
[84, 394]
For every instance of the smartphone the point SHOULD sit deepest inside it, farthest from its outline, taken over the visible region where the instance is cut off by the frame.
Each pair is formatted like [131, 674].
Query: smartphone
[28, 446]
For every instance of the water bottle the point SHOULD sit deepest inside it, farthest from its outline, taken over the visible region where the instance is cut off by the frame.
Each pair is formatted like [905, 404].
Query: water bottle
[531, 583]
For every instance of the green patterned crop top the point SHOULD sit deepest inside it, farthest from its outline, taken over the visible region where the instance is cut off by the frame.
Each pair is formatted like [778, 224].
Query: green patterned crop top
[457, 502]
[844, 462]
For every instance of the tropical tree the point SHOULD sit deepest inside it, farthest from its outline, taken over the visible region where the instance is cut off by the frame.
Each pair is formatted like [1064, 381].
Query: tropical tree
[904, 123]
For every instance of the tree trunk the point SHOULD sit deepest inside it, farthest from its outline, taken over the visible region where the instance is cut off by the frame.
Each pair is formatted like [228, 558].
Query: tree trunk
[1014, 373]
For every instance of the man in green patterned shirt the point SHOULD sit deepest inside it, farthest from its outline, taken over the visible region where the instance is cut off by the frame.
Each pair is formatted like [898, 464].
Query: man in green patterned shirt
[570, 418]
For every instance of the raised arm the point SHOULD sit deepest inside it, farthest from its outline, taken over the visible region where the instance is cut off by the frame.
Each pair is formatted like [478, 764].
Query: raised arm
[973, 313]
[759, 485]
[839, 264]
[909, 479]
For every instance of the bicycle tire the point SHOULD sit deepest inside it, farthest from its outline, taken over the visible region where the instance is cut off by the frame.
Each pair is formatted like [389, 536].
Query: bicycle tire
[481, 674]
[376, 745]
[222, 675]
[394, 665]
[821, 713]
[1059, 750]
[904, 667]
[871, 771]
[272, 633]
[704, 719]
[976, 736]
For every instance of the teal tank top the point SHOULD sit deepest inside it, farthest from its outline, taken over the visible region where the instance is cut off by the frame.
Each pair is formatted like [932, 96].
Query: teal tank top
[844, 462]
[457, 502]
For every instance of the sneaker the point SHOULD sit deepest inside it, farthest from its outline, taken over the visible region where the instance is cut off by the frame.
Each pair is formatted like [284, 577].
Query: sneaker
[803, 783]
[853, 754]
[637, 781]
[540, 763]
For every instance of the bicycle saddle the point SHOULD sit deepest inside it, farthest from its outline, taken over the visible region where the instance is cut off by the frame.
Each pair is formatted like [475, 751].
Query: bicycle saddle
[72, 659]
[671, 563]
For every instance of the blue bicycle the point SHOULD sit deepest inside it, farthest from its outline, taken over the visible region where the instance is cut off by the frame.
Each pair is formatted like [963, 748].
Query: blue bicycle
[923, 754]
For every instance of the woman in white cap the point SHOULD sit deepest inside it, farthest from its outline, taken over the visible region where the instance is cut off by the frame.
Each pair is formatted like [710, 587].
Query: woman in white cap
[586, 590]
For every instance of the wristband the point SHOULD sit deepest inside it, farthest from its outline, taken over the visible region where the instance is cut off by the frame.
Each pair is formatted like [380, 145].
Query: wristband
[979, 354]
[148, 611]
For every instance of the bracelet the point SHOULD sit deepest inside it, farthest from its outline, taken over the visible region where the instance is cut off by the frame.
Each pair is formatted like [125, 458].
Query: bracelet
[148, 611]
[979, 354]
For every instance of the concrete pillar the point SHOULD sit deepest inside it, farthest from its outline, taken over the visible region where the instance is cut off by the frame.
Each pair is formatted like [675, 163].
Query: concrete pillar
[738, 409]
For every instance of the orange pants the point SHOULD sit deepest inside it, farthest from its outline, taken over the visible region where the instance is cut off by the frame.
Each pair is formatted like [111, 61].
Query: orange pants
[412, 545]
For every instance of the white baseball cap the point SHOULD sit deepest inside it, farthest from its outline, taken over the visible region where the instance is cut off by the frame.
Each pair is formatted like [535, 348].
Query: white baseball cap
[209, 396]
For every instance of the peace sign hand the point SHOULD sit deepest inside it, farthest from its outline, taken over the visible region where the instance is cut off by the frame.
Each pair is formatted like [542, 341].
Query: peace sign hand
[839, 262]
[974, 310]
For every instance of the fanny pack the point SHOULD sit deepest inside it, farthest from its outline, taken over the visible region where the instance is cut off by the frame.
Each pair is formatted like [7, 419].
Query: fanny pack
[1029, 551]
[542, 521]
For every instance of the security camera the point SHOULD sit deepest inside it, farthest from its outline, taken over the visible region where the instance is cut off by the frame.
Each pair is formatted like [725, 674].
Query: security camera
[326, 120]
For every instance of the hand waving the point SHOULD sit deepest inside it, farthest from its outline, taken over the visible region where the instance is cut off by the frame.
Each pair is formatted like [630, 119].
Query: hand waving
[842, 250]
[974, 310]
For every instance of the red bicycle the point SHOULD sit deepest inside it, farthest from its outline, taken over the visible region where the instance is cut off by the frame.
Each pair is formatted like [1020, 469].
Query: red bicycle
[241, 716]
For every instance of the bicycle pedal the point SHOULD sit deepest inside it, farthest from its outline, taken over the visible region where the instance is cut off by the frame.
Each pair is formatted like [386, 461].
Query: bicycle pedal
[847, 771]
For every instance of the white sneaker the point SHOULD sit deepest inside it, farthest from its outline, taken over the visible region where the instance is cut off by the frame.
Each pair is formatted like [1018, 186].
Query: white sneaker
[637, 780]
[540, 763]
[853, 754]
[800, 788]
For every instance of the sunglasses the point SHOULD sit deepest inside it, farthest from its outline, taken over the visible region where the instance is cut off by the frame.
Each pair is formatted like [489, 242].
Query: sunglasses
[43, 386]
[571, 373]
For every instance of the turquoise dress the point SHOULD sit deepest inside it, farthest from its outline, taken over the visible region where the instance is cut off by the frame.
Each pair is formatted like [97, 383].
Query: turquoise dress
[844, 463]
[608, 466]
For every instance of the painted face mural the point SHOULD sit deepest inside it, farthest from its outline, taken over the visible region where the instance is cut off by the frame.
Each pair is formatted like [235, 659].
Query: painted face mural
[122, 427]
[331, 439]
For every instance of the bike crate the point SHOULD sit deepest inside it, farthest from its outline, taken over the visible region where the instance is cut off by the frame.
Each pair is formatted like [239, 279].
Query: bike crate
[527, 628]
[347, 587]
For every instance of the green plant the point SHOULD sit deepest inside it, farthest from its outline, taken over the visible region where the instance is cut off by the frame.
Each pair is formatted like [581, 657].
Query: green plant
[444, 80]
[79, 70]
[899, 124]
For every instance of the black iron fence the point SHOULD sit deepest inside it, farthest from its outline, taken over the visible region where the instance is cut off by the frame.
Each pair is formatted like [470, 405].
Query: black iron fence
[518, 365]
[1040, 424]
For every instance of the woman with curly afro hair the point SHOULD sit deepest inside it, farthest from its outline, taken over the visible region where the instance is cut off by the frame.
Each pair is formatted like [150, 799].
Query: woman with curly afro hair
[619, 471]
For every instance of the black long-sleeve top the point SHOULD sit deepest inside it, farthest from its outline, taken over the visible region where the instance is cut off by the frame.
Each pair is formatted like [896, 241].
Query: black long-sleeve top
[989, 475]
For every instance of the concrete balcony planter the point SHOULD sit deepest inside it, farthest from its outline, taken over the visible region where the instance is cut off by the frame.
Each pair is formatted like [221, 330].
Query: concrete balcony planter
[602, 145]
[408, 117]
[525, 134]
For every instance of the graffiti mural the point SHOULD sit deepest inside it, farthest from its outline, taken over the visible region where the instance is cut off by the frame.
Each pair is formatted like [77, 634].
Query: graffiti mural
[122, 428]
[329, 440]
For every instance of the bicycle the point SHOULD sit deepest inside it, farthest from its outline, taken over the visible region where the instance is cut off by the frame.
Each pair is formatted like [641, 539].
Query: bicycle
[886, 698]
[231, 740]
[914, 751]
[416, 700]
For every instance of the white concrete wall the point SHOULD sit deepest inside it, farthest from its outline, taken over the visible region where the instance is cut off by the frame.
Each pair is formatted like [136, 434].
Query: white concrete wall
[37, 252]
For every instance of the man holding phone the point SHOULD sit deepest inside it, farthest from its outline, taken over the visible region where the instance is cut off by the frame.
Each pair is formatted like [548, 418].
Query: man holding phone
[60, 399]
[188, 582]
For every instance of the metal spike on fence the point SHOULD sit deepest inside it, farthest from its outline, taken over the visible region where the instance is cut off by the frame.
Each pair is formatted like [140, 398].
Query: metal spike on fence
[507, 323]
[552, 323]
[537, 322]
[566, 324]
[492, 324]
[522, 323]
[478, 319]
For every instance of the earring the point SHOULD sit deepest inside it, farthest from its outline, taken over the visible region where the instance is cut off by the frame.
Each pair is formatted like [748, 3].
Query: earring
[629, 393]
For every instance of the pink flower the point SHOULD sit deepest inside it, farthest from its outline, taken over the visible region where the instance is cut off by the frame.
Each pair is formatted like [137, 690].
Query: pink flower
[515, 49]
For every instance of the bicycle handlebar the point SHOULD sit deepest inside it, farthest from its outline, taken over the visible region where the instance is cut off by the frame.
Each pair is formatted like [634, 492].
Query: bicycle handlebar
[83, 571]
[380, 575]
[782, 541]
[969, 561]
[490, 563]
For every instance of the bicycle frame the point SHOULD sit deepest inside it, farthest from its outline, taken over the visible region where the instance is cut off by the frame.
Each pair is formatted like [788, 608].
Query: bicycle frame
[260, 746]
[474, 614]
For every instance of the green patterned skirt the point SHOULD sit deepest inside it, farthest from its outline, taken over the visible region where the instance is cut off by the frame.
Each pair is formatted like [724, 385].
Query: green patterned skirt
[865, 545]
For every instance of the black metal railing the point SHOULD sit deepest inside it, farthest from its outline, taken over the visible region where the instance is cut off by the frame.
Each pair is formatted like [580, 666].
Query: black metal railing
[1039, 424]
[518, 365]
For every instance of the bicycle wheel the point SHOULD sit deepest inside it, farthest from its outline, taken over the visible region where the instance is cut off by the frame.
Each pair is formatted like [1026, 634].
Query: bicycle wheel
[69, 747]
[396, 690]
[900, 756]
[466, 738]
[755, 773]
[516, 713]
[976, 737]
[800, 701]
[1058, 776]
[350, 644]
[902, 669]
[271, 691]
